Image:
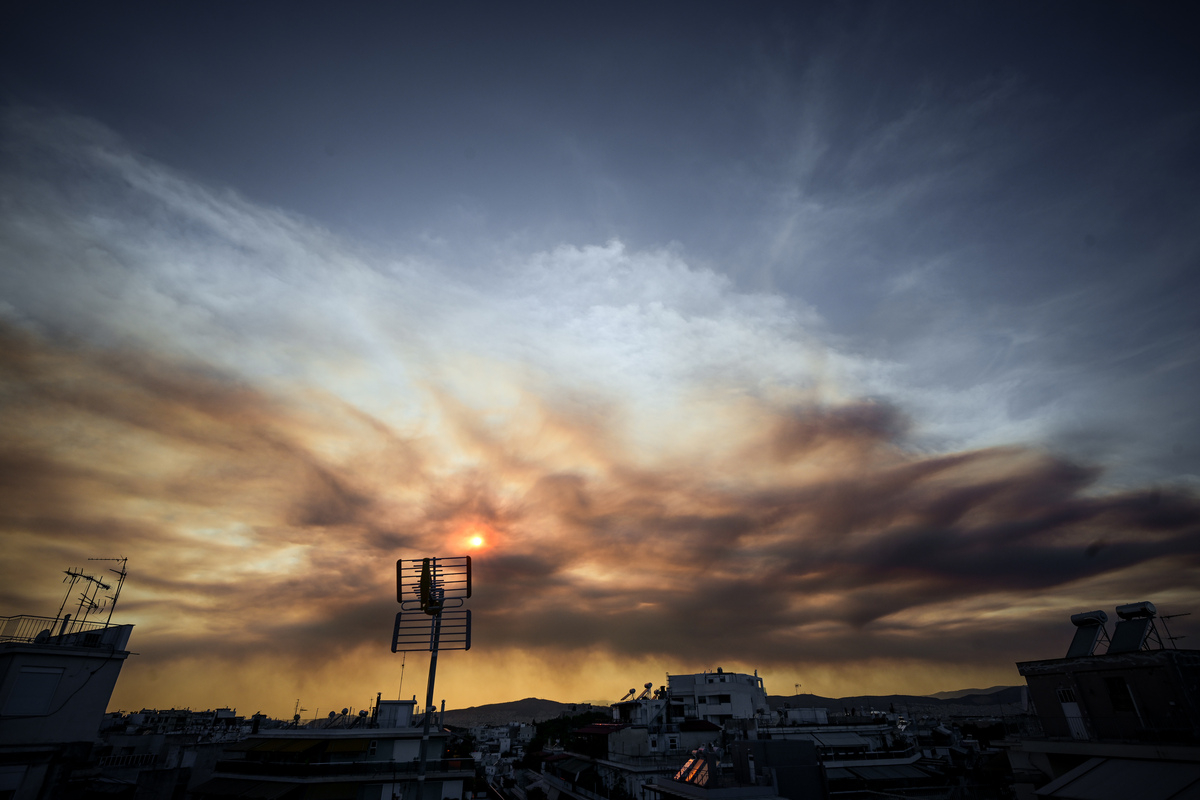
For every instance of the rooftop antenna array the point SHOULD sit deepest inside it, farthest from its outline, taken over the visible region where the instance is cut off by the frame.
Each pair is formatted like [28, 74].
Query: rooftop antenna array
[1169, 637]
[120, 573]
[431, 592]
[87, 595]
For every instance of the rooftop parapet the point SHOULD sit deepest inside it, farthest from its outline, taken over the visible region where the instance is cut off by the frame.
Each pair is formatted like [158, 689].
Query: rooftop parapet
[63, 632]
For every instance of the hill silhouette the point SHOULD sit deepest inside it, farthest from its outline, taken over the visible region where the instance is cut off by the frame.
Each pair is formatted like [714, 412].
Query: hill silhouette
[531, 709]
[986, 702]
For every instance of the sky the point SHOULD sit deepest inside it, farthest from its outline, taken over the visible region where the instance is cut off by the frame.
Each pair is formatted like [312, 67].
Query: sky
[855, 344]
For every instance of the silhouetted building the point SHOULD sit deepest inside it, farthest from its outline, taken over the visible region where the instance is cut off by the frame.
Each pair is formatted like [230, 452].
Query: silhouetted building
[1119, 724]
[759, 770]
[56, 678]
[353, 763]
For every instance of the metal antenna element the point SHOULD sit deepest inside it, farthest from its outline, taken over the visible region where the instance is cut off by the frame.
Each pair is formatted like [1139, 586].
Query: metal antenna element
[431, 592]
[120, 573]
[87, 597]
[1169, 637]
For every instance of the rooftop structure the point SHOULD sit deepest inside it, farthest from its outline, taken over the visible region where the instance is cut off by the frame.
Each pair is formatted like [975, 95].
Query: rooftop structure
[1104, 715]
[350, 764]
[717, 697]
[758, 770]
[56, 678]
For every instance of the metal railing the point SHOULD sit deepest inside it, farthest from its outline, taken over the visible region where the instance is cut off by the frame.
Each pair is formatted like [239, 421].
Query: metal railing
[47, 630]
[868, 755]
[454, 767]
[134, 760]
[674, 758]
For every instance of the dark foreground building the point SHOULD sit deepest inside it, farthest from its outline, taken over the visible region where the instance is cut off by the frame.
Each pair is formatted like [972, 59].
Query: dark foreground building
[1120, 724]
[56, 678]
[377, 761]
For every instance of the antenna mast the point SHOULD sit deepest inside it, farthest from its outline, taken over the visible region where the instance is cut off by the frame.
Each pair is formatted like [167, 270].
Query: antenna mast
[1170, 638]
[87, 597]
[427, 589]
[120, 573]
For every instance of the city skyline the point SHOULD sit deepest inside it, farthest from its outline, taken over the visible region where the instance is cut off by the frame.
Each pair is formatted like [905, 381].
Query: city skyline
[855, 346]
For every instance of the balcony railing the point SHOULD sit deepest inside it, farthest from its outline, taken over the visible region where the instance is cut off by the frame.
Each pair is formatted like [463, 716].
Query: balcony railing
[124, 761]
[452, 767]
[48, 630]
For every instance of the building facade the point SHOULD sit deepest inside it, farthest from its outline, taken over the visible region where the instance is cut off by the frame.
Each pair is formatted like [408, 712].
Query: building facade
[56, 678]
[717, 697]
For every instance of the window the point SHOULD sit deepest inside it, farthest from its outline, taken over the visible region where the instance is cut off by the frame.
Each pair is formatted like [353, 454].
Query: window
[1066, 695]
[1119, 695]
[32, 691]
[373, 747]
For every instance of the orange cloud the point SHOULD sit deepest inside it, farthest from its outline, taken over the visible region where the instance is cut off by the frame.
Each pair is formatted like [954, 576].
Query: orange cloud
[262, 524]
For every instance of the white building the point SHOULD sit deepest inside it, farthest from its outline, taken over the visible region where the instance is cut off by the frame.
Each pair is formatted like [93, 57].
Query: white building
[718, 697]
[56, 678]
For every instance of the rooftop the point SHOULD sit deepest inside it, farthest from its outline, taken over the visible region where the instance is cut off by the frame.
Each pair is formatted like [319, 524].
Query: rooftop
[62, 632]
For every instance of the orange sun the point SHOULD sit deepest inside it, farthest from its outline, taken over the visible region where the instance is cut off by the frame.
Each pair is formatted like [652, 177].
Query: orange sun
[477, 536]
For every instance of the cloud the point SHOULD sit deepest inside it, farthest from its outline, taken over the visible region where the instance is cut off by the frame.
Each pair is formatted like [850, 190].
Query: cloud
[667, 470]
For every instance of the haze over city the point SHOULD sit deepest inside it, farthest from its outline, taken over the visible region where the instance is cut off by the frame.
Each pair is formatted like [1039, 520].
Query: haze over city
[855, 344]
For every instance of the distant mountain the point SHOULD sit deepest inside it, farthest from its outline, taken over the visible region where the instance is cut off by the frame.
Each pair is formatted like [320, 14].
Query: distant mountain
[965, 692]
[531, 709]
[994, 701]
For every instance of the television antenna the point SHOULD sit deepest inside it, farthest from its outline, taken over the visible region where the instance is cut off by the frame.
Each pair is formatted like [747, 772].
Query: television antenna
[1170, 638]
[120, 573]
[87, 595]
[431, 592]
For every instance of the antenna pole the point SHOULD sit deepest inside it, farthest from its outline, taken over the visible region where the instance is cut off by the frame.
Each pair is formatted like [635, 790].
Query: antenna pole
[1171, 638]
[89, 600]
[430, 585]
[433, 646]
[120, 573]
[72, 577]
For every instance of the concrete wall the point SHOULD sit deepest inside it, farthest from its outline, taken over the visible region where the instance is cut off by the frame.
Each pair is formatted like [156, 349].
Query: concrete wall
[55, 693]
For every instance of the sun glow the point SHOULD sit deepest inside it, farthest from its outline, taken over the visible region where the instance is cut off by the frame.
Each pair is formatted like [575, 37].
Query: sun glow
[476, 536]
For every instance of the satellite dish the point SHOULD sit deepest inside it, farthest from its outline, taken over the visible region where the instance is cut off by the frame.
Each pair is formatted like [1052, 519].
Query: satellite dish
[345, 711]
[42, 637]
